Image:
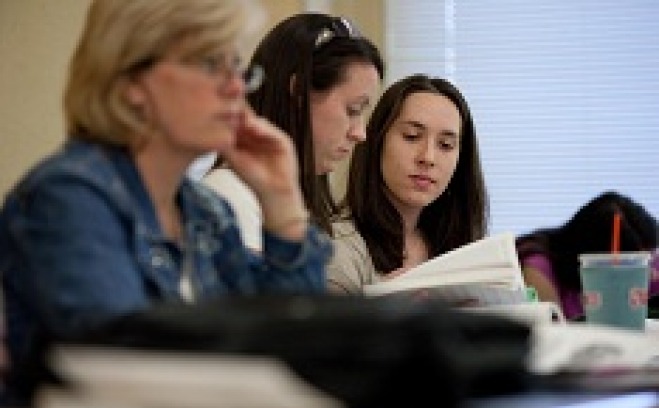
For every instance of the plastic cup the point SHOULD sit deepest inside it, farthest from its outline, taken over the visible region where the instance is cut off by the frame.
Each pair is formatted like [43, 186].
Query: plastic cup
[615, 288]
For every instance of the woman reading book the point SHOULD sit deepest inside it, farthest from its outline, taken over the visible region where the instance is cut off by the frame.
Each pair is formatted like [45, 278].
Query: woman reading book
[415, 186]
[549, 256]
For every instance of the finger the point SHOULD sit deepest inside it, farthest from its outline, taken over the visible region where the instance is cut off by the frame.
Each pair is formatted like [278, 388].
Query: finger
[255, 127]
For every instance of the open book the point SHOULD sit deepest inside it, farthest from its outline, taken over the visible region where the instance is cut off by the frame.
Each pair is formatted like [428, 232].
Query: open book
[486, 271]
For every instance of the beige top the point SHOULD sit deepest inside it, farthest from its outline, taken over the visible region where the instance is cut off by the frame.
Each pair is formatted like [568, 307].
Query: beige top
[351, 267]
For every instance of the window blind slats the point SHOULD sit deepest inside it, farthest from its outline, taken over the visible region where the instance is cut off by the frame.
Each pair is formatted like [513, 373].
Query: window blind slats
[565, 95]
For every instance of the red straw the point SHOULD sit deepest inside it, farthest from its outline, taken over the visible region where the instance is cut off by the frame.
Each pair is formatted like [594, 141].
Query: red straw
[615, 239]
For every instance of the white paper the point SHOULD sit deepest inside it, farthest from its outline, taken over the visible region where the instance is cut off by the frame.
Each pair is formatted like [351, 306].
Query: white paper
[582, 347]
[486, 271]
[148, 379]
[526, 312]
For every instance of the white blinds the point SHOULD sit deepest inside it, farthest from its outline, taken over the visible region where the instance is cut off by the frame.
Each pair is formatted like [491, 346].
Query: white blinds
[565, 95]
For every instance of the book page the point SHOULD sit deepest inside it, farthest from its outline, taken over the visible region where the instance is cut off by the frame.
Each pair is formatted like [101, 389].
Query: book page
[486, 271]
[492, 276]
[526, 312]
[485, 295]
[497, 251]
[481, 294]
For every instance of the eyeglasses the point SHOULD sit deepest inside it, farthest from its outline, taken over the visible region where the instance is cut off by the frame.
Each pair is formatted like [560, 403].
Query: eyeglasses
[339, 27]
[219, 67]
[224, 67]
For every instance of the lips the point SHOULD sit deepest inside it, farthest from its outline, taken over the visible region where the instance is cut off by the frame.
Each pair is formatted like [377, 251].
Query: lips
[421, 181]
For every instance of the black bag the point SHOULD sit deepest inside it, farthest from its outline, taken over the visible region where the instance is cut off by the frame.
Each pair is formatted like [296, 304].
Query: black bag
[366, 352]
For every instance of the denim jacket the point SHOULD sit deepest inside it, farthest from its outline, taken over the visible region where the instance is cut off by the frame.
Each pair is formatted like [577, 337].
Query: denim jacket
[80, 243]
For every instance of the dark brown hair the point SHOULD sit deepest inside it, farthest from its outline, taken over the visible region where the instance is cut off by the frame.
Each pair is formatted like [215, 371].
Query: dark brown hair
[589, 231]
[304, 53]
[457, 217]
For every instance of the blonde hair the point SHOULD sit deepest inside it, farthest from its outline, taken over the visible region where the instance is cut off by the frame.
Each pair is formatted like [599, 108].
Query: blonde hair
[118, 36]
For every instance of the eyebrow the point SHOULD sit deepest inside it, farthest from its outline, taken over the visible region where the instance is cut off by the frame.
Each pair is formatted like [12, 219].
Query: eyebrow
[363, 100]
[414, 124]
[421, 126]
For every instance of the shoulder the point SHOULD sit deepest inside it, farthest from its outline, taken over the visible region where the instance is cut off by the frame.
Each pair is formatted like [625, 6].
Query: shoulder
[77, 170]
[538, 261]
[78, 188]
[220, 177]
[224, 180]
[539, 267]
[79, 159]
[346, 238]
[344, 229]
[227, 184]
[351, 267]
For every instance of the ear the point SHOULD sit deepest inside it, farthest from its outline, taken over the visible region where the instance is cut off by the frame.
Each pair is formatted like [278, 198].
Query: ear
[134, 93]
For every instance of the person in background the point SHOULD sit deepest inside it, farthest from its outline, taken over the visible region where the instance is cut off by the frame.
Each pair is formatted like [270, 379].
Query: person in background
[550, 256]
[321, 77]
[109, 224]
[415, 187]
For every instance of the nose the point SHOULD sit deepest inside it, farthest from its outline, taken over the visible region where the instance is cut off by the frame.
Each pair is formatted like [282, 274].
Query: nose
[426, 155]
[235, 85]
[357, 131]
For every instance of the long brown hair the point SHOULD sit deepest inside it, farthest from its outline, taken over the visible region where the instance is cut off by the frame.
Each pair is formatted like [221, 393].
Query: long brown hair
[455, 218]
[304, 53]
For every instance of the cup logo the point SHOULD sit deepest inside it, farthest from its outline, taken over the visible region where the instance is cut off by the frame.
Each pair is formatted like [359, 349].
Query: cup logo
[638, 297]
[592, 300]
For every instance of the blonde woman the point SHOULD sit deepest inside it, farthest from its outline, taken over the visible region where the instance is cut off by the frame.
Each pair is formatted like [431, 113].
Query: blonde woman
[110, 224]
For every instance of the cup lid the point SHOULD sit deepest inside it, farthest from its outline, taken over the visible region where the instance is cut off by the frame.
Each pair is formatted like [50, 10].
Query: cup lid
[640, 256]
